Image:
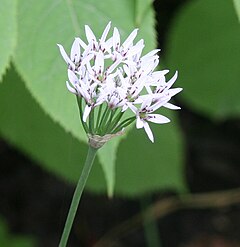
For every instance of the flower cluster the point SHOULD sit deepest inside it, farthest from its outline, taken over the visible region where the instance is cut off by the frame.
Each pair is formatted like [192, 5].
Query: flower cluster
[112, 79]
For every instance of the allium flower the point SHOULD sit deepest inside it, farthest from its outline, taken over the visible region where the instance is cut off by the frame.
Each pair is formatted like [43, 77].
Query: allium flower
[110, 79]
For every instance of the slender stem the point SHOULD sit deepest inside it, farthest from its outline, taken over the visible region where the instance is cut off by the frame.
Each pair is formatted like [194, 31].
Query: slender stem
[150, 226]
[98, 117]
[91, 121]
[77, 195]
[115, 121]
[101, 121]
[110, 121]
[123, 124]
[79, 101]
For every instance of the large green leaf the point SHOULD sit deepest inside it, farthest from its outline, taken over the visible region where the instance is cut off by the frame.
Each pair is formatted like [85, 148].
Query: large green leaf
[8, 27]
[204, 46]
[24, 124]
[38, 60]
[141, 9]
[237, 7]
[145, 166]
[141, 165]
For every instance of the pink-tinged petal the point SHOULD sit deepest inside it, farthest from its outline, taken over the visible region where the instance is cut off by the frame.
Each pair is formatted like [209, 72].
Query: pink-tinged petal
[157, 118]
[82, 92]
[140, 43]
[72, 77]
[89, 34]
[160, 73]
[160, 102]
[88, 49]
[130, 39]
[105, 32]
[146, 103]
[99, 63]
[174, 91]
[150, 54]
[86, 113]
[149, 89]
[116, 38]
[87, 59]
[75, 51]
[139, 123]
[114, 66]
[171, 106]
[137, 49]
[126, 70]
[70, 88]
[172, 80]
[124, 108]
[81, 43]
[108, 45]
[65, 56]
[132, 107]
[89, 68]
[148, 131]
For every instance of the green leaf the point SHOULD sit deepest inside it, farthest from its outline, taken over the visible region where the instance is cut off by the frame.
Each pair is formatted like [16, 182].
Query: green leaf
[143, 166]
[141, 9]
[40, 64]
[237, 7]
[25, 125]
[8, 27]
[11, 240]
[204, 46]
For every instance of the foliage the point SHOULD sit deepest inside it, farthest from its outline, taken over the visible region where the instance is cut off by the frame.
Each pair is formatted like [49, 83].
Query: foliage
[204, 45]
[8, 27]
[13, 241]
[237, 7]
[41, 118]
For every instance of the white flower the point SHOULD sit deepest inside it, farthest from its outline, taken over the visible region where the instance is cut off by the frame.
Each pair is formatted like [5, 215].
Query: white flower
[107, 72]
[144, 114]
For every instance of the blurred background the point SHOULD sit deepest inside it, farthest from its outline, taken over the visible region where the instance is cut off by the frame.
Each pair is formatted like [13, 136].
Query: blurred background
[181, 191]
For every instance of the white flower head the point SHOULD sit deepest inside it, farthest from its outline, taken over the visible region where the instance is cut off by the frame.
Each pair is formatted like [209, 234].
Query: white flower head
[109, 77]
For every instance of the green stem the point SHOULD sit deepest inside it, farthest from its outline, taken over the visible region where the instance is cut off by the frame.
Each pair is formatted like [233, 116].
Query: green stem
[151, 230]
[110, 121]
[104, 121]
[98, 117]
[79, 101]
[91, 121]
[115, 121]
[124, 124]
[101, 121]
[77, 195]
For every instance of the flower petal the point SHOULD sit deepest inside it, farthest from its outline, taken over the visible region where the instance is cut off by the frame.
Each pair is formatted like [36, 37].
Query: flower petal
[171, 106]
[75, 51]
[70, 88]
[81, 43]
[65, 56]
[105, 32]
[139, 123]
[157, 118]
[72, 77]
[86, 113]
[99, 63]
[130, 39]
[174, 91]
[116, 39]
[172, 80]
[89, 34]
[148, 131]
